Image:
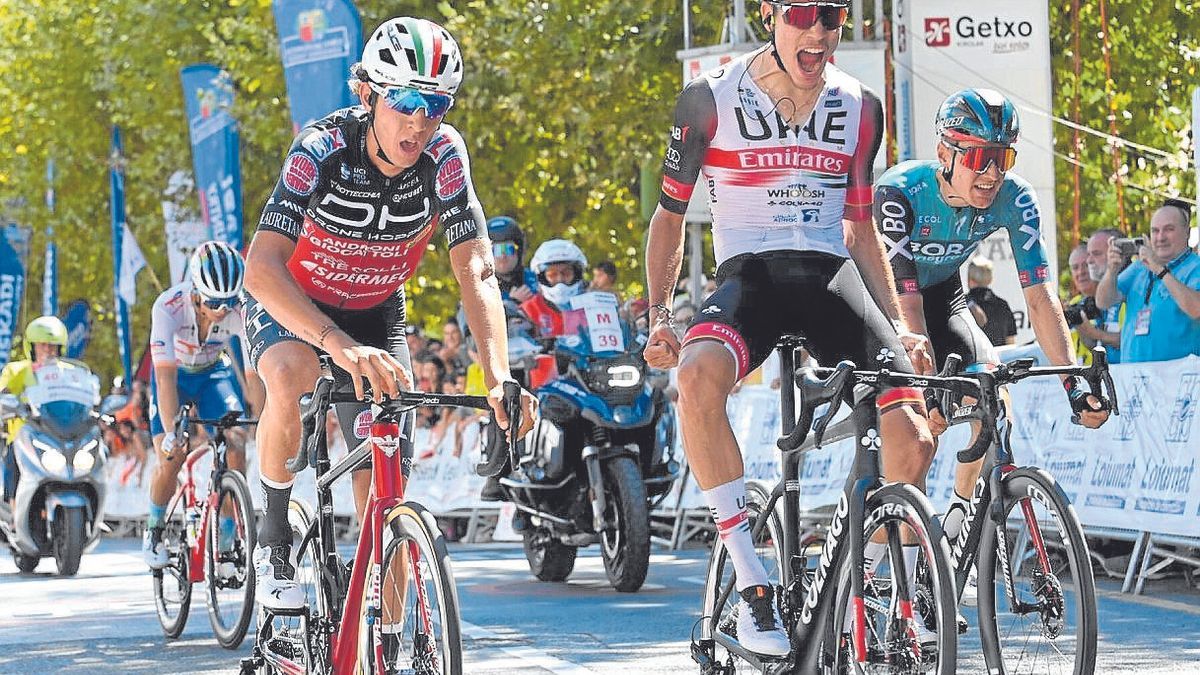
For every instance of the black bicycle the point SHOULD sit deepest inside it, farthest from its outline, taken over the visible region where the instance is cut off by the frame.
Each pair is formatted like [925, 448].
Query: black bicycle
[865, 621]
[1021, 529]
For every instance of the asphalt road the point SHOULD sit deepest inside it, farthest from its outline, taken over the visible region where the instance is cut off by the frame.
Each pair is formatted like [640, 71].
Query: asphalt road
[103, 620]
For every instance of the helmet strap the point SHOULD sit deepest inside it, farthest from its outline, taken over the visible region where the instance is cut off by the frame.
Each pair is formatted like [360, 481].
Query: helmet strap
[374, 101]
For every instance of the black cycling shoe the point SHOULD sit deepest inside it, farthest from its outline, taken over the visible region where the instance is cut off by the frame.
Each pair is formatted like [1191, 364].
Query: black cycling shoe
[492, 490]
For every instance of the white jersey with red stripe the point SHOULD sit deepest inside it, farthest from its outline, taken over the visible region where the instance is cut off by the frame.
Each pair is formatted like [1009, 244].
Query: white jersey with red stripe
[175, 331]
[773, 186]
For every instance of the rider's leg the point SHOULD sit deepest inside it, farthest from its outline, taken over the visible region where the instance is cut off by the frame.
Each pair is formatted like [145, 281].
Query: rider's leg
[707, 373]
[288, 370]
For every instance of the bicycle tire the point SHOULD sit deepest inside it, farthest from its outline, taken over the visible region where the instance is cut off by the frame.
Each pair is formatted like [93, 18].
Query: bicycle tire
[715, 613]
[897, 503]
[411, 525]
[178, 558]
[1040, 491]
[230, 634]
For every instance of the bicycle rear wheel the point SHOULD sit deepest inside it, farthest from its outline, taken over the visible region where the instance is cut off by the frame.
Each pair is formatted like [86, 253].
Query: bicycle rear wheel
[1046, 621]
[892, 643]
[418, 631]
[172, 584]
[231, 537]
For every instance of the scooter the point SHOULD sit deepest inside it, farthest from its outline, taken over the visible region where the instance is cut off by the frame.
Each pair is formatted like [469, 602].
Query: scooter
[59, 505]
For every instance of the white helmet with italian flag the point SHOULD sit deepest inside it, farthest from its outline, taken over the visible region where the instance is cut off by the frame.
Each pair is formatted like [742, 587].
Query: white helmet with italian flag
[417, 53]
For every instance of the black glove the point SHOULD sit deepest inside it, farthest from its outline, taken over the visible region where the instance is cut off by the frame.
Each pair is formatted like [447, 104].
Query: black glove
[1077, 395]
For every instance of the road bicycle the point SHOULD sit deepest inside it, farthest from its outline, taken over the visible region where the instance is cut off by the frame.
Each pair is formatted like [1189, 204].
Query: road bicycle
[394, 607]
[209, 540]
[1022, 531]
[864, 621]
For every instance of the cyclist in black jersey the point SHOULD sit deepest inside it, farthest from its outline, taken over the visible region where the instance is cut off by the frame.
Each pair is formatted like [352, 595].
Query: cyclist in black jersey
[361, 195]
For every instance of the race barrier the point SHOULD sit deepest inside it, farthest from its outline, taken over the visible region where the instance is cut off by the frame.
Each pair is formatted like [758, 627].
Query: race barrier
[1135, 474]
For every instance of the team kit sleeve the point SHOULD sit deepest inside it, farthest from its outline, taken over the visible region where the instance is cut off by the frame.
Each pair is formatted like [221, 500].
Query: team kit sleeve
[284, 211]
[695, 125]
[1025, 237]
[460, 214]
[162, 331]
[858, 181]
[894, 217]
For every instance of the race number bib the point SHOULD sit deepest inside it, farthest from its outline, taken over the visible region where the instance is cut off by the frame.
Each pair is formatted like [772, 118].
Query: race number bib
[56, 383]
[603, 320]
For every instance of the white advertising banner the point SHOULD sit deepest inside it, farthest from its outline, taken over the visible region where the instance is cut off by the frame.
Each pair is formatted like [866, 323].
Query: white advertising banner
[943, 46]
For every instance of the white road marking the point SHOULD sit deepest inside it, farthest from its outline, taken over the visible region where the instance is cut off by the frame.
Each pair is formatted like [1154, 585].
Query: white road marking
[526, 655]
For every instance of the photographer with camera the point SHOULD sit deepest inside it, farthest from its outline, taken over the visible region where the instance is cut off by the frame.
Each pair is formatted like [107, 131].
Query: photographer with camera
[1084, 318]
[1161, 290]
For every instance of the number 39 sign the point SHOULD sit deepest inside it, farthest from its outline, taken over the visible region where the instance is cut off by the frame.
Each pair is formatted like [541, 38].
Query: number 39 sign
[603, 321]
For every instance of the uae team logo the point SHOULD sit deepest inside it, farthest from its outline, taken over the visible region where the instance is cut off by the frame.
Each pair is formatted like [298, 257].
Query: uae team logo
[937, 31]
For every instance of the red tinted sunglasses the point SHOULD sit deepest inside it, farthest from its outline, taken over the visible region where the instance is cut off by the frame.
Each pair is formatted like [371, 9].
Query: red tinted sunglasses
[831, 16]
[979, 158]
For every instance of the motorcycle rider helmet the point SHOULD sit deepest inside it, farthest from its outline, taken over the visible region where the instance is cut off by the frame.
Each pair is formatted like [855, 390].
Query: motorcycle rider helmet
[558, 251]
[45, 330]
[410, 52]
[217, 271]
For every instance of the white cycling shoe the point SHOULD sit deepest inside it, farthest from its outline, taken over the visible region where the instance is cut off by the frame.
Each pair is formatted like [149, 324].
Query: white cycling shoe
[759, 627]
[154, 551]
[275, 578]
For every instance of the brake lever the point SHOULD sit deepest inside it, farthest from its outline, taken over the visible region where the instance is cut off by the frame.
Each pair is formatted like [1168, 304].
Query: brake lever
[844, 369]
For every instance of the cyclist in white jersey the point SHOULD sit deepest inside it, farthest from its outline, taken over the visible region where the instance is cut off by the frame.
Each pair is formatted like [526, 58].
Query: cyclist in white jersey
[784, 143]
[192, 325]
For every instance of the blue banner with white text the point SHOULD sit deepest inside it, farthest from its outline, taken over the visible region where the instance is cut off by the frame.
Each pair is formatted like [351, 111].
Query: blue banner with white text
[318, 42]
[78, 320]
[12, 286]
[208, 99]
[117, 207]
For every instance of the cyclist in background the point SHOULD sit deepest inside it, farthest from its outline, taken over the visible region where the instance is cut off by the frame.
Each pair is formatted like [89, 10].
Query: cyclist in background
[508, 248]
[192, 327]
[932, 215]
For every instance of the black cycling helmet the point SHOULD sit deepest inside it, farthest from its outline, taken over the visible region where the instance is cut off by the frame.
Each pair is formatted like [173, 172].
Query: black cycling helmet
[505, 228]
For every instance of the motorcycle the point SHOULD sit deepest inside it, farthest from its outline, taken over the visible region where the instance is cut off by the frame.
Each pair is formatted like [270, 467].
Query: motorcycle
[600, 457]
[59, 506]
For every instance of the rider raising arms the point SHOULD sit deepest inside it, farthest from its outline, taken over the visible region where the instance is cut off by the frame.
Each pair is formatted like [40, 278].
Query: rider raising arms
[362, 193]
[933, 216]
[784, 142]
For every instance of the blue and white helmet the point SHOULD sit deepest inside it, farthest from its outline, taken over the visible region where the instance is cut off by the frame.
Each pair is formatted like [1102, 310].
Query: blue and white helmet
[217, 270]
[558, 251]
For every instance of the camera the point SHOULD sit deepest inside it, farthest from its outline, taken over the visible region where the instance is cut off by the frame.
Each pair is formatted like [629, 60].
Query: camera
[1080, 311]
[1129, 245]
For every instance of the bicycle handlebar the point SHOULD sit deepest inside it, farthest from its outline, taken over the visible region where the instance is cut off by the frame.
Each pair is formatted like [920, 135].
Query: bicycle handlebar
[231, 419]
[831, 389]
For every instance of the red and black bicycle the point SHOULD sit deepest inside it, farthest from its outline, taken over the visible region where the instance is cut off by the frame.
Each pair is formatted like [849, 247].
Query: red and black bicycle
[395, 608]
[209, 540]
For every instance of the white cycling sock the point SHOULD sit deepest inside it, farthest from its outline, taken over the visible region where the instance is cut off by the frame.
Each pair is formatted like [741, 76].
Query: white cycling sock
[727, 503]
[956, 515]
[873, 552]
[910, 568]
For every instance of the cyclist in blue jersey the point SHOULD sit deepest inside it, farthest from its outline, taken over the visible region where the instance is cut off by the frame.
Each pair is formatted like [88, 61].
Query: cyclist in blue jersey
[933, 214]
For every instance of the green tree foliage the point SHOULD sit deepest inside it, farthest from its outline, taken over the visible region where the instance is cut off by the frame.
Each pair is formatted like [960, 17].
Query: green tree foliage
[563, 101]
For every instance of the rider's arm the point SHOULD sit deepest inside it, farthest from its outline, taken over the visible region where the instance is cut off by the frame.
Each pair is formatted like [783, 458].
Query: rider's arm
[1049, 326]
[894, 219]
[862, 239]
[695, 125]
[474, 267]
[163, 325]
[1108, 290]
[165, 375]
[267, 276]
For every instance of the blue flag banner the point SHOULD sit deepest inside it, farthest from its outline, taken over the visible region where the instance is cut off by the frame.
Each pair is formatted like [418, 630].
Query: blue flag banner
[79, 328]
[117, 204]
[50, 278]
[318, 41]
[12, 286]
[208, 98]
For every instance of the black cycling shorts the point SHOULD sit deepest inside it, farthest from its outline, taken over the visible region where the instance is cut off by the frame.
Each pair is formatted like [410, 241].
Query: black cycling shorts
[381, 326]
[763, 296]
[953, 329]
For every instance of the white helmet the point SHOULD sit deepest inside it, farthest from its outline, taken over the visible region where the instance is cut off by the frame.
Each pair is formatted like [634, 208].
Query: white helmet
[217, 270]
[558, 251]
[417, 53]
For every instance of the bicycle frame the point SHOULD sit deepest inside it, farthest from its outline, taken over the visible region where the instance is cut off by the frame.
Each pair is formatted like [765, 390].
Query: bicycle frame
[188, 489]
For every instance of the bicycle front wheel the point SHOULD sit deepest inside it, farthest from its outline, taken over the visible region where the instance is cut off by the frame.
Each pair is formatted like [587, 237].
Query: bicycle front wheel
[418, 630]
[1037, 596]
[231, 537]
[172, 584]
[897, 625]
